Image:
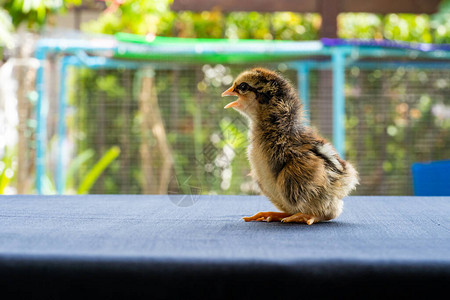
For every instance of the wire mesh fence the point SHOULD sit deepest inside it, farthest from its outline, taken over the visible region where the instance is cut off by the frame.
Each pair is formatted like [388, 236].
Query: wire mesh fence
[394, 117]
[173, 133]
[175, 137]
[409, 122]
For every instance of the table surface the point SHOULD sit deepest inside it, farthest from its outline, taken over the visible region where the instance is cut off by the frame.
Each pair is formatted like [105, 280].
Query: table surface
[167, 235]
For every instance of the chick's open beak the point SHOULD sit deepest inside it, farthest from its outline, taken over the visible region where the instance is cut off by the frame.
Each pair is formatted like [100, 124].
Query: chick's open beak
[231, 92]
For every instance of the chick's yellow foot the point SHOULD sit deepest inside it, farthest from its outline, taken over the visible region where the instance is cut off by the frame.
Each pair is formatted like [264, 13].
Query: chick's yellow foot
[301, 218]
[267, 216]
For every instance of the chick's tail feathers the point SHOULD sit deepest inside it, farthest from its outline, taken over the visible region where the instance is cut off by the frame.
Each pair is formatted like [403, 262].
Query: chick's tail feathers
[349, 180]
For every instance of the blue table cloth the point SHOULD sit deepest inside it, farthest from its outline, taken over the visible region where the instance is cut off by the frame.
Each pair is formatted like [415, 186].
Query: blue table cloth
[164, 247]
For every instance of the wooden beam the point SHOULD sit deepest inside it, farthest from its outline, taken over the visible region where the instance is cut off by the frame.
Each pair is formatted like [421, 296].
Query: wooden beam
[247, 5]
[392, 6]
[329, 10]
[303, 6]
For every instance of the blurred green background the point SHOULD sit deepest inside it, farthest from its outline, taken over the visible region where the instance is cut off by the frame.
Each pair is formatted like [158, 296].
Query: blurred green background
[394, 117]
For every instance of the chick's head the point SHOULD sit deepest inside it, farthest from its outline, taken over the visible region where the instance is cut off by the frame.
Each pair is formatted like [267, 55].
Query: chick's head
[258, 90]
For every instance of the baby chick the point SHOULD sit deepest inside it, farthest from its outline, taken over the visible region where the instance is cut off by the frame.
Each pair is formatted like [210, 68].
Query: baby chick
[299, 171]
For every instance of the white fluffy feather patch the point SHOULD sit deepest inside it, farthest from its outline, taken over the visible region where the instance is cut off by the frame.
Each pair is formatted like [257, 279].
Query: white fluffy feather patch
[328, 151]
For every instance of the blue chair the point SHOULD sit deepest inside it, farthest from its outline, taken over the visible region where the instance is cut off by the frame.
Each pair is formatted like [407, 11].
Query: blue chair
[431, 178]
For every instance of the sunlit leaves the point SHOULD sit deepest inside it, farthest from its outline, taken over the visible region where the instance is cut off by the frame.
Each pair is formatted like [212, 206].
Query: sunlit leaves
[440, 23]
[407, 27]
[139, 17]
[360, 25]
[32, 12]
[6, 27]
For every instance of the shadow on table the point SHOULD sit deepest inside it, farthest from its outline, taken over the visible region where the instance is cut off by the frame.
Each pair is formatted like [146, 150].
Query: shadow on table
[321, 225]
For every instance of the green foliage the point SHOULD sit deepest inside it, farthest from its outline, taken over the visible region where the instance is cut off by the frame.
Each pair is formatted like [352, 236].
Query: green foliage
[7, 169]
[243, 25]
[143, 17]
[76, 166]
[31, 12]
[293, 26]
[6, 28]
[155, 17]
[440, 22]
[407, 27]
[35, 13]
[360, 25]
[207, 24]
[234, 161]
[110, 86]
[92, 176]
[401, 27]
[252, 25]
[133, 16]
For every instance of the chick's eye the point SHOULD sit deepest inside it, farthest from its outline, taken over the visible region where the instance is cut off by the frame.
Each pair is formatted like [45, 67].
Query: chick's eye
[243, 87]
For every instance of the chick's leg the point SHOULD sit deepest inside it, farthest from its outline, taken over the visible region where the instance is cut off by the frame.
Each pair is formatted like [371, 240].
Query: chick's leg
[301, 218]
[267, 216]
